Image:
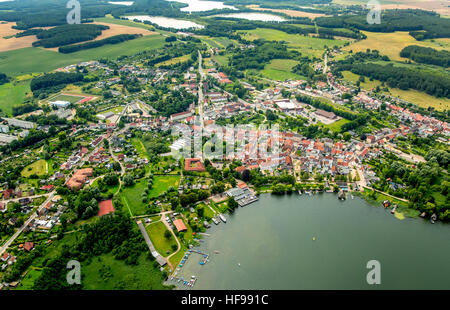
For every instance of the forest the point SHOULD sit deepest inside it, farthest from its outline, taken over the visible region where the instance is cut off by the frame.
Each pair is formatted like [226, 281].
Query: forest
[421, 24]
[93, 44]
[175, 102]
[3, 78]
[53, 79]
[433, 83]
[426, 55]
[68, 34]
[260, 55]
[45, 13]
[226, 27]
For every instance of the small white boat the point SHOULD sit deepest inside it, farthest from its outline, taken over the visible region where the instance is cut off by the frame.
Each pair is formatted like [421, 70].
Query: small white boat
[239, 264]
[222, 218]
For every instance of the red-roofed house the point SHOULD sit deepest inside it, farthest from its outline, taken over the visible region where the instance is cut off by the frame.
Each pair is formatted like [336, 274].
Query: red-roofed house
[179, 225]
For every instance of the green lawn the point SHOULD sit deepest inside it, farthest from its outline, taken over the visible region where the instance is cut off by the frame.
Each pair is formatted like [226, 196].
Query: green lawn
[336, 126]
[12, 94]
[281, 70]
[28, 281]
[163, 245]
[162, 184]
[140, 148]
[132, 198]
[33, 59]
[38, 167]
[110, 274]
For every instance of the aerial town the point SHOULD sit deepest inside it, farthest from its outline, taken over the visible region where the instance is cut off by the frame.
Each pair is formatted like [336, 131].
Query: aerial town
[136, 161]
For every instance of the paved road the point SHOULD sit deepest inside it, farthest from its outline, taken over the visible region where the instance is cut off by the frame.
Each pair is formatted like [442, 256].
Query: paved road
[31, 197]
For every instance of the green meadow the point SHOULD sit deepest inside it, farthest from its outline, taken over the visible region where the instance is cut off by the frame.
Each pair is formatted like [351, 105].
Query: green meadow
[12, 94]
[107, 273]
[307, 45]
[162, 245]
[281, 69]
[32, 59]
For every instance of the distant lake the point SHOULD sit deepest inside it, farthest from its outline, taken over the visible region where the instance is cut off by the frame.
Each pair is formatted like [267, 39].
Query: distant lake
[128, 3]
[201, 5]
[254, 16]
[320, 242]
[166, 21]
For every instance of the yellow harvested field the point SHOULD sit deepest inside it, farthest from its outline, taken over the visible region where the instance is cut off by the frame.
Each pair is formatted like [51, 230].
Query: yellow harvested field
[13, 43]
[292, 13]
[390, 44]
[421, 99]
[115, 30]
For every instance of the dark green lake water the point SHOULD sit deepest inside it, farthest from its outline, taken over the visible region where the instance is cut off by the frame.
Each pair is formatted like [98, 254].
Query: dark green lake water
[272, 240]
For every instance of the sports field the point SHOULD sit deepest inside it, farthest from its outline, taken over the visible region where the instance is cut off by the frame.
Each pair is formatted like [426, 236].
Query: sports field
[65, 97]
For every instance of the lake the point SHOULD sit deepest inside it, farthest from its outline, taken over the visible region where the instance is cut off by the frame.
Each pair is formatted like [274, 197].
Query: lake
[127, 3]
[254, 16]
[166, 21]
[272, 240]
[201, 6]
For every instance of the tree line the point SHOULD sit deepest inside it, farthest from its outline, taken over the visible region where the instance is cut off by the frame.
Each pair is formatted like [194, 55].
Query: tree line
[433, 83]
[426, 55]
[93, 44]
[53, 79]
[68, 34]
[3, 78]
[420, 24]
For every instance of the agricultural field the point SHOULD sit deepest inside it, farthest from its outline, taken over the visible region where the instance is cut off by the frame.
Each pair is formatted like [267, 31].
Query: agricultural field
[390, 44]
[280, 70]
[162, 245]
[12, 94]
[7, 40]
[32, 59]
[39, 168]
[309, 46]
